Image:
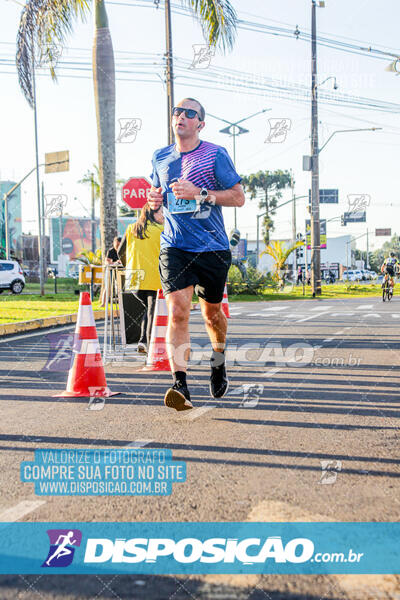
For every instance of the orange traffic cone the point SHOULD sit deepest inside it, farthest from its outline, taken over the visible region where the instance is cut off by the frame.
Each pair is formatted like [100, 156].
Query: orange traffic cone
[86, 377]
[225, 304]
[157, 358]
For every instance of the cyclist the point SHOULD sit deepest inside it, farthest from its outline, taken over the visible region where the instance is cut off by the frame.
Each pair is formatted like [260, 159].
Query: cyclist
[390, 267]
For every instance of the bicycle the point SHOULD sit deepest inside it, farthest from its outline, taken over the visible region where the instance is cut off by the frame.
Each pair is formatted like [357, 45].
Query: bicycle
[387, 290]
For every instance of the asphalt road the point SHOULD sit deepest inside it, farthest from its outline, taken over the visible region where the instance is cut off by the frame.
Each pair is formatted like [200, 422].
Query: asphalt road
[310, 381]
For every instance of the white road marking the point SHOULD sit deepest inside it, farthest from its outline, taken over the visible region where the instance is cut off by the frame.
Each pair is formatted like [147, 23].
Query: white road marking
[323, 307]
[38, 332]
[271, 372]
[198, 412]
[139, 443]
[20, 510]
[375, 315]
[274, 308]
[342, 314]
[191, 415]
[365, 306]
[395, 316]
[339, 332]
[327, 340]
[310, 317]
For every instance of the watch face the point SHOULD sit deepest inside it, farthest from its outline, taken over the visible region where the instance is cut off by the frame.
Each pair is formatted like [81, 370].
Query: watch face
[204, 192]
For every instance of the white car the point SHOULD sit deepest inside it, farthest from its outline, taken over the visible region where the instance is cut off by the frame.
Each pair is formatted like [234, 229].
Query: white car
[11, 276]
[349, 275]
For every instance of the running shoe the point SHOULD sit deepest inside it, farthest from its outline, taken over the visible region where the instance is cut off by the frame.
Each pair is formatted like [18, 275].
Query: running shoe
[141, 348]
[178, 397]
[219, 382]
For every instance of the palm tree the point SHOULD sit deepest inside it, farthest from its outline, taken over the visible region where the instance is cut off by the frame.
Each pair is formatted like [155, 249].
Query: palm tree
[87, 257]
[280, 253]
[45, 23]
[269, 184]
[93, 177]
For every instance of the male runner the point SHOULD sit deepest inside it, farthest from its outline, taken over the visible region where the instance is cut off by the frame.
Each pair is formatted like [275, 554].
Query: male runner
[194, 179]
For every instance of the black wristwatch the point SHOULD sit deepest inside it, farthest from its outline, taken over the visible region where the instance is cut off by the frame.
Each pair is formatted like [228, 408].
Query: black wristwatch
[204, 194]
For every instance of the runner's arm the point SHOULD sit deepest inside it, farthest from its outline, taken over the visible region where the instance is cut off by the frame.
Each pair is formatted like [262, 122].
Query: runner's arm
[233, 196]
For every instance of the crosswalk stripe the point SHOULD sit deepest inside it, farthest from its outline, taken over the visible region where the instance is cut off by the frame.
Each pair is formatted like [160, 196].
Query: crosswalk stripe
[323, 307]
[310, 317]
[365, 306]
[273, 308]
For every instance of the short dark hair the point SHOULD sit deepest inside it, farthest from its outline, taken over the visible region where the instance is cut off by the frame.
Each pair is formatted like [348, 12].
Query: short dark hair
[202, 112]
[117, 238]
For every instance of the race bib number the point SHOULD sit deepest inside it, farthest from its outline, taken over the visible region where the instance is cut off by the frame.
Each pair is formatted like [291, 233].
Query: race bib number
[180, 205]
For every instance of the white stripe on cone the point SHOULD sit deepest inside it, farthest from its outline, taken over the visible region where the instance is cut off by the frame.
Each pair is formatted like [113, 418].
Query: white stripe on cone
[158, 331]
[85, 316]
[88, 347]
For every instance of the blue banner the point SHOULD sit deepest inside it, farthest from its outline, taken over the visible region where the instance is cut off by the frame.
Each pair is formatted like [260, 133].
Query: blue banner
[186, 548]
[103, 472]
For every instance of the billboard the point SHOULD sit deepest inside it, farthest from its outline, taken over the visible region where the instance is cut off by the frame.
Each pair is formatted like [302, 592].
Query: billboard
[76, 234]
[322, 230]
[14, 218]
[240, 251]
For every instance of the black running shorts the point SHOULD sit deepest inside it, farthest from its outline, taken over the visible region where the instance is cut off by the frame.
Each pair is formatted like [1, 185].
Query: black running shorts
[206, 271]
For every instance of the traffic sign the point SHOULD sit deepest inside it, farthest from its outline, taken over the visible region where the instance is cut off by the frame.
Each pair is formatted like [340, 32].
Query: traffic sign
[327, 196]
[383, 232]
[135, 191]
[56, 162]
[359, 216]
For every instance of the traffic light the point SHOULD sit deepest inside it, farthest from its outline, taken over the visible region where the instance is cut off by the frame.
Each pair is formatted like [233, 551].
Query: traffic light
[299, 253]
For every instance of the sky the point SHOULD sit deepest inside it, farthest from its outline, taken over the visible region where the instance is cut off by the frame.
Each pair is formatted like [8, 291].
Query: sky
[354, 163]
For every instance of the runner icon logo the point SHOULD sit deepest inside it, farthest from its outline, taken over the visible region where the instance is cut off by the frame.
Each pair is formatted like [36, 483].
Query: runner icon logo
[62, 542]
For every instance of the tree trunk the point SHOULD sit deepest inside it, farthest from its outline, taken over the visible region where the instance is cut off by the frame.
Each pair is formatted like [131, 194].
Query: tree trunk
[104, 96]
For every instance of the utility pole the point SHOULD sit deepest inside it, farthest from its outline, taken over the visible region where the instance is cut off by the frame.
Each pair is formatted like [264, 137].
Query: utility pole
[43, 251]
[169, 70]
[93, 216]
[40, 248]
[315, 222]
[367, 250]
[293, 225]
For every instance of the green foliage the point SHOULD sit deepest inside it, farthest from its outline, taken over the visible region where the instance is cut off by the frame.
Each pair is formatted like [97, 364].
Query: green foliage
[280, 252]
[267, 186]
[255, 283]
[87, 257]
[377, 257]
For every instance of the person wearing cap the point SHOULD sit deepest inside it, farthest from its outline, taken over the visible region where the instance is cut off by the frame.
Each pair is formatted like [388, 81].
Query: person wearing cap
[194, 179]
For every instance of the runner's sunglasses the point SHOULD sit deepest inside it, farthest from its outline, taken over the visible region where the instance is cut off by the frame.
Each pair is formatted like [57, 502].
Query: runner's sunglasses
[190, 113]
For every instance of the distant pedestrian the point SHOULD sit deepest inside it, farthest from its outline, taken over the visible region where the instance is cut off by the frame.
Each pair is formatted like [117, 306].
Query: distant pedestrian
[112, 258]
[299, 276]
[142, 274]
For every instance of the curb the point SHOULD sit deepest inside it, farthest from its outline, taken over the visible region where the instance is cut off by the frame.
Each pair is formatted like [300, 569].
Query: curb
[9, 328]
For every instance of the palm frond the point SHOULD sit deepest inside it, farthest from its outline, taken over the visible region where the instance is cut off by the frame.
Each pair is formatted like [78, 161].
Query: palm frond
[218, 19]
[44, 23]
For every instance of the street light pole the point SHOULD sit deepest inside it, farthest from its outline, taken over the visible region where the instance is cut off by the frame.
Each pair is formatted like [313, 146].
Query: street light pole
[169, 70]
[315, 220]
[233, 129]
[294, 233]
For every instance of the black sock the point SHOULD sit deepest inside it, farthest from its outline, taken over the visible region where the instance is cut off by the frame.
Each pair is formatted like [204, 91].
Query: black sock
[217, 359]
[179, 377]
